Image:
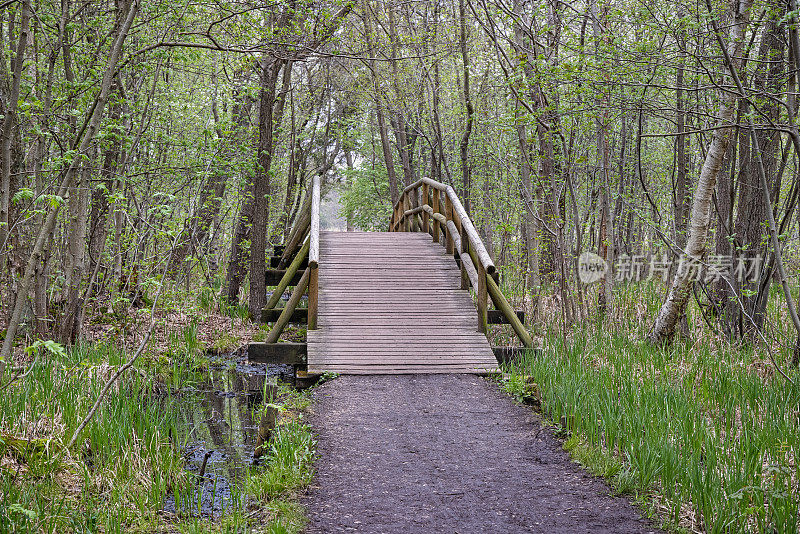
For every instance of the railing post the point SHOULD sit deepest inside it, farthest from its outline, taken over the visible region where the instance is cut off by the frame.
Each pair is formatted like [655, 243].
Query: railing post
[405, 207]
[448, 246]
[313, 255]
[425, 221]
[463, 254]
[482, 296]
[436, 208]
[313, 297]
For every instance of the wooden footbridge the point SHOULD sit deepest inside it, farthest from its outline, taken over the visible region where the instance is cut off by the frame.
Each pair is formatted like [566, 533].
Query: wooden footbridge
[389, 302]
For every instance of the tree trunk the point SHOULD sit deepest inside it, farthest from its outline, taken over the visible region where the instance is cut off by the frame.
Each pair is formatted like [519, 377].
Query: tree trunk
[466, 170]
[92, 125]
[663, 328]
[382, 129]
[261, 184]
[9, 121]
[69, 325]
[752, 209]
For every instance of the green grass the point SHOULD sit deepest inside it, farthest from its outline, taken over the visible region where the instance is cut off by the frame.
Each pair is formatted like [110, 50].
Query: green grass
[122, 464]
[691, 427]
[289, 465]
[126, 460]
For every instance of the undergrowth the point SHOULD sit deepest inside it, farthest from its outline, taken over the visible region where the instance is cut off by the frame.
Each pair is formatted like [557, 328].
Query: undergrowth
[129, 457]
[697, 435]
[122, 464]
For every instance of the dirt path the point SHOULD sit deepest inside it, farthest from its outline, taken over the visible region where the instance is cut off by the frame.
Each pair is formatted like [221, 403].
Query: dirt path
[447, 453]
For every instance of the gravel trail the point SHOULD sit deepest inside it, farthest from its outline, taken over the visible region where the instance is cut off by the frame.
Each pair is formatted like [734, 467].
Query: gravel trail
[447, 453]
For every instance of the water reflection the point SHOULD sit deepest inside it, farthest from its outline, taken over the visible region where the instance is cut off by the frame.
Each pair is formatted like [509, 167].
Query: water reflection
[220, 417]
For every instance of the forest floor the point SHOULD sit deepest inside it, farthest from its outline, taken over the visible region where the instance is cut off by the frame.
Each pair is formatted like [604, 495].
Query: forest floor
[448, 453]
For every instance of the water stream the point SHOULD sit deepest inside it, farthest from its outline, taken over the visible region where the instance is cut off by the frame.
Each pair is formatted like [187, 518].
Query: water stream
[217, 420]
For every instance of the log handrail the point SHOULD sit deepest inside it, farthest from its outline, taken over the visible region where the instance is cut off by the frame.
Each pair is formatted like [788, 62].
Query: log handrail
[313, 255]
[461, 239]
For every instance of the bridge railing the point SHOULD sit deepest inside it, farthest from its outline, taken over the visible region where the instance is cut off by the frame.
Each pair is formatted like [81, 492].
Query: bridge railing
[302, 244]
[433, 207]
[313, 255]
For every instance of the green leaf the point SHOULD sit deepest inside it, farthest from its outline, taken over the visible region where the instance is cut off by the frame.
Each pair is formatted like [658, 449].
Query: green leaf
[22, 195]
[18, 508]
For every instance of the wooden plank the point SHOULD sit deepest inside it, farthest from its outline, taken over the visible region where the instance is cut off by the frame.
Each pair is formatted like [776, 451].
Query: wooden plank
[399, 364]
[285, 316]
[426, 331]
[497, 317]
[274, 276]
[426, 350]
[377, 359]
[397, 305]
[313, 252]
[366, 322]
[411, 349]
[431, 320]
[365, 309]
[444, 338]
[410, 318]
[277, 353]
[389, 370]
[274, 261]
[406, 349]
[369, 371]
[383, 359]
[402, 321]
[376, 294]
[299, 315]
[313, 297]
[385, 331]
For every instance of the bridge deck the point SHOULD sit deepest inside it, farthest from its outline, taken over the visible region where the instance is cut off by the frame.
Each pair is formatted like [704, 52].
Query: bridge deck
[391, 303]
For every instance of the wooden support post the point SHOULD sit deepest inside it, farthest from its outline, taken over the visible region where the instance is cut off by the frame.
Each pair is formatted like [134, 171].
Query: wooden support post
[405, 207]
[502, 304]
[436, 208]
[449, 215]
[290, 272]
[298, 233]
[481, 292]
[283, 320]
[462, 253]
[313, 298]
[425, 221]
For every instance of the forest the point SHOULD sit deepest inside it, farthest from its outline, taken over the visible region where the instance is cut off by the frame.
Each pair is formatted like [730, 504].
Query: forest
[632, 167]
